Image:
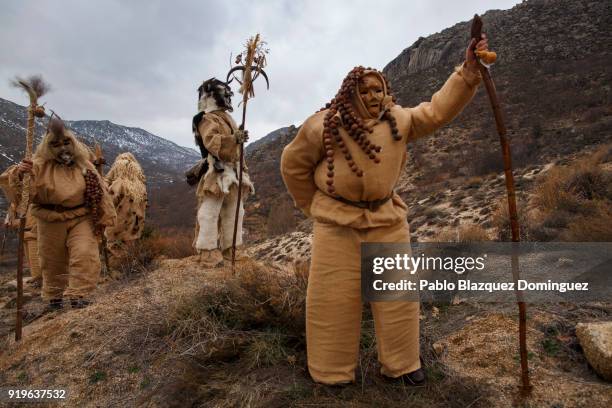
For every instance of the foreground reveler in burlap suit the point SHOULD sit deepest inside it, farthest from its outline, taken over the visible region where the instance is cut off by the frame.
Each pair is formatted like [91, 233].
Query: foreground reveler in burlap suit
[127, 186]
[341, 170]
[70, 203]
[218, 137]
[31, 228]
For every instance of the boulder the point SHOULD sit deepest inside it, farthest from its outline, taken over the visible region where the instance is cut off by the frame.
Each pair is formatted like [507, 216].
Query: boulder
[596, 342]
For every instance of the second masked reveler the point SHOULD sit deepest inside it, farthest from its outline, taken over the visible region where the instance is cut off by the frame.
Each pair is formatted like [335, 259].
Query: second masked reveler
[218, 138]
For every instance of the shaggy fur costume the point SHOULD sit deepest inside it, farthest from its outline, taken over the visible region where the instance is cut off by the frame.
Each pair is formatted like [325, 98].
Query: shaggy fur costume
[217, 190]
[127, 186]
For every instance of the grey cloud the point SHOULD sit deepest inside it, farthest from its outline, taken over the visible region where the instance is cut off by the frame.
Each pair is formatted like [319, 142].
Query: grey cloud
[139, 63]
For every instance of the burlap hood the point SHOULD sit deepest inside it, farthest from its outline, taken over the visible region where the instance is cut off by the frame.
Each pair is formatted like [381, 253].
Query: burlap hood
[360, 107]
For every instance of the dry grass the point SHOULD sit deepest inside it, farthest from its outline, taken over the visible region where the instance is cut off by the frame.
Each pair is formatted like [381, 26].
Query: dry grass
[137, 257]
[257, 313]
[186, 336]
[171, 243]
[464, 233]
[243, 339]
[141, 255]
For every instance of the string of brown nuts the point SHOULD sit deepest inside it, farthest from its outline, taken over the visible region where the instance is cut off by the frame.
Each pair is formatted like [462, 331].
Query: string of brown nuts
[354, 125]
[93, 198]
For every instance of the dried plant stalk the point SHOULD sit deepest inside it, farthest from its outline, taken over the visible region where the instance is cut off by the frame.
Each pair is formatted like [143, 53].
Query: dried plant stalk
[35, 87]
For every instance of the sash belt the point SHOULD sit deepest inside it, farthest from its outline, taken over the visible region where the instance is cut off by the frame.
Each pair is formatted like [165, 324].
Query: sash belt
[59, 208]
[368, 205]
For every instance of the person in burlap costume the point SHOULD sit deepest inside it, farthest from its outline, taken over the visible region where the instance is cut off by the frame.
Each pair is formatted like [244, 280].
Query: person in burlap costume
[31, 228]
[127, 186]
[72, 205]
[218, 137]
[341, 170]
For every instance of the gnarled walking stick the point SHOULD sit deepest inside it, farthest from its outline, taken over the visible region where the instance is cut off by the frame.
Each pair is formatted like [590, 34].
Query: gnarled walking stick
[254, 61]
[35, 87]
[99, 163]
[484, 60]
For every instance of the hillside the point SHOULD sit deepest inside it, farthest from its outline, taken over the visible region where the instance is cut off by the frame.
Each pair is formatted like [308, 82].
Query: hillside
[183, 336]
[553, 79]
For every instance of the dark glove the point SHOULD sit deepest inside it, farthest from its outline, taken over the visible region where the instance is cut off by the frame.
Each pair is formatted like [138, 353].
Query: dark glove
[242, 136]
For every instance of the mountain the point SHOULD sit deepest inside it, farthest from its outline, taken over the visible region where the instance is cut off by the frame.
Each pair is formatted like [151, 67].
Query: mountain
[553, 80]
[263, 161]
[163, 162]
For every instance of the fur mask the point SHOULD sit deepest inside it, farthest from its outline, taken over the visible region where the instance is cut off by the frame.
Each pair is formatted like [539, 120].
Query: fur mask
[214, 95]
[60, 145]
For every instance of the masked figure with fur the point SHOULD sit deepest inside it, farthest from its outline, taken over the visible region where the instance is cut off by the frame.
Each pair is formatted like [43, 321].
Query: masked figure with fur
[341, 169]
[218, 138]
[31, 230]
[127, 186]
[71, 204]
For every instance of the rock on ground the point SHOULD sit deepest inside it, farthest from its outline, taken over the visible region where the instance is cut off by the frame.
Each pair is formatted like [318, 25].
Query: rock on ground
[596, 342]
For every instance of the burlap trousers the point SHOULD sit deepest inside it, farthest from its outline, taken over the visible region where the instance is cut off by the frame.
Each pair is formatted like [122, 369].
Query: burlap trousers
[333, 308]
[31, 250]
[216, 221]
[69, 258]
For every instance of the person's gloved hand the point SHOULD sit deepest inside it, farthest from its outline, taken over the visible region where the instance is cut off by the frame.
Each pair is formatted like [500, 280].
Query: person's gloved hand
[242, 136]
[25, 166]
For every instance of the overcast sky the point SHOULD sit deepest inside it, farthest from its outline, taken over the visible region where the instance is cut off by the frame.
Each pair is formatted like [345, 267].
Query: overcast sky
[139, 63]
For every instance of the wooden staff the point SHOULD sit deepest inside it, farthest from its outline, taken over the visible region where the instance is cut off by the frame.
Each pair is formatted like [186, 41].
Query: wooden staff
[35, 87]
[476, 33]
[254, 62]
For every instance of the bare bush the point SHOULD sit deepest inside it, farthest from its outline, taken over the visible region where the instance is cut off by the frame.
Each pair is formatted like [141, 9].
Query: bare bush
[141, 255]
[500, 219]
[464, 233]
[574, 202]
[281, 218]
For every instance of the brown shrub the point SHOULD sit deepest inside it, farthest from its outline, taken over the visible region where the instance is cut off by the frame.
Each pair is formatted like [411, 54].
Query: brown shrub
[596, 227]
[171, 242]
[281, 218]
[573, 188]
[500, 219]
[140, 255]
[136, 257]
[489, 161]
[575, 201]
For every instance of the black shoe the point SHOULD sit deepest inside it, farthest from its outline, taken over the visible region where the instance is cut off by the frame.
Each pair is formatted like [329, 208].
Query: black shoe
[417, 378]
[55, 305]
[79, 303]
